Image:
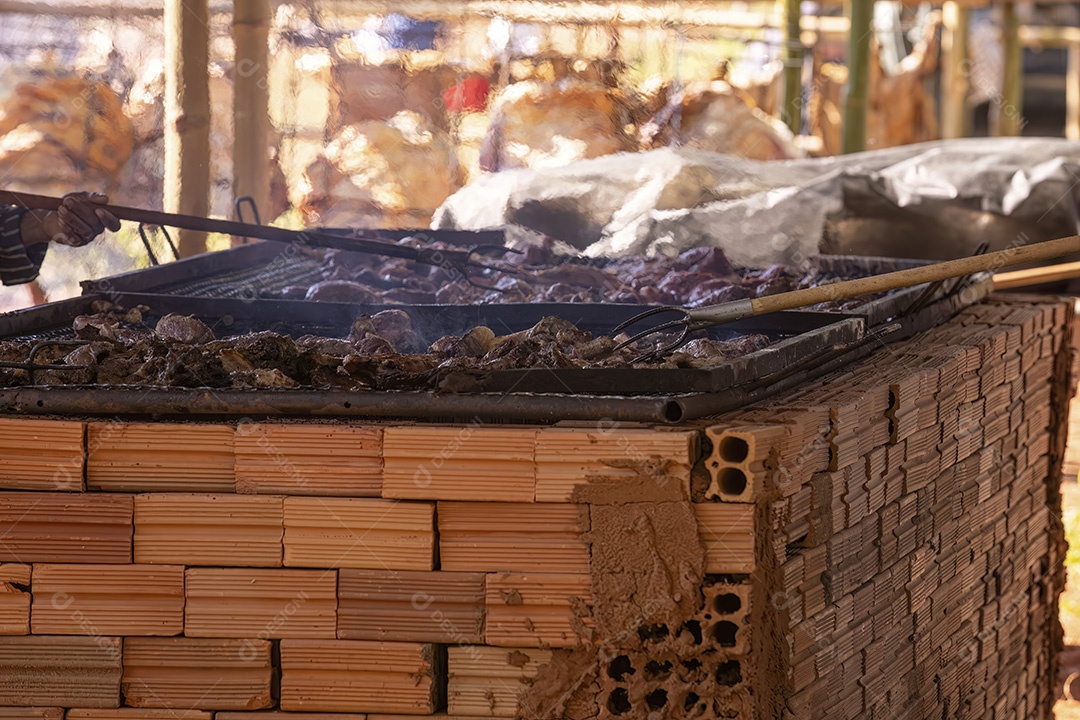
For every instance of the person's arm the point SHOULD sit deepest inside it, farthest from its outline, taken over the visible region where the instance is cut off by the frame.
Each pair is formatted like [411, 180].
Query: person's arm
[19, 262]
[25, 234]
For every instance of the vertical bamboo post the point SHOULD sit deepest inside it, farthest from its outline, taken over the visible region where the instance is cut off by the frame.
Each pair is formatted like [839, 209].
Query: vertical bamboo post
[251, 103]
[956, 71]
[860, 18]
[793, 65]
[187, 115]
[1072, 93]
[1010, 109]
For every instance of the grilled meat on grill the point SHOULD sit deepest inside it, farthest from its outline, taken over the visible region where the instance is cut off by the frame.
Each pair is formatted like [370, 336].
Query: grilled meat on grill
[383, 352]
[700, 276]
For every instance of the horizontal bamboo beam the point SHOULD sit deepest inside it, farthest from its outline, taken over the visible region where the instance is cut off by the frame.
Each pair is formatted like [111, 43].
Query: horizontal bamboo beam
[1036, 276]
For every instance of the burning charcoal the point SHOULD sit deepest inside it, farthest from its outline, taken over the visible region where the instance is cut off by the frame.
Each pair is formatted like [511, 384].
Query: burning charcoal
[102, 306]
[342, 291]
[183, 328]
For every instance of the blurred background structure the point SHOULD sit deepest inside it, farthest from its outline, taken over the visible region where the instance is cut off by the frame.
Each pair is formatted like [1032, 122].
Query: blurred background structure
[372, 113]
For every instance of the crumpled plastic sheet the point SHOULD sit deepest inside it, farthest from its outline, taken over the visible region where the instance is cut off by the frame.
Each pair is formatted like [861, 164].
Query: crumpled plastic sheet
[933, 200]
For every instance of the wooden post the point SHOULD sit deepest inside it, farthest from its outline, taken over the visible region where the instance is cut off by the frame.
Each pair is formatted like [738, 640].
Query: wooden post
[861, 18]
[1010, 109]
[791, 112]
[956, 71]
[187, 115]
[1072, 93]
[251, 104]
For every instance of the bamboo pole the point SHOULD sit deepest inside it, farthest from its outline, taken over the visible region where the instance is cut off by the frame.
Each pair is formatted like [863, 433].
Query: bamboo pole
[793, 65]
[956, 70]
[1036, 276]
[1072, 93]
[187, 116]
[848, 289]
[1010, 109]
[861, 16]
[251, 103]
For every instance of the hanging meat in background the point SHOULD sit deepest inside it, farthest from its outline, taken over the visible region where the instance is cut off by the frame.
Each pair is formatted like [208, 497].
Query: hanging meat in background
[901, 110]
[718, 117]
[538, 125]
[60, 133]
[392, 173]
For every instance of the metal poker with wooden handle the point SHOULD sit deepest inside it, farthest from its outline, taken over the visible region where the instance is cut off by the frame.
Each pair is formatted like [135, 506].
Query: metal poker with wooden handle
[694, 319]
[461, 259]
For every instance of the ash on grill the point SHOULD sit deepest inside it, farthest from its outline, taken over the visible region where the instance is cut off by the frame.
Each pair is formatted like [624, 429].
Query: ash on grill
[701, 276]
[382, 352]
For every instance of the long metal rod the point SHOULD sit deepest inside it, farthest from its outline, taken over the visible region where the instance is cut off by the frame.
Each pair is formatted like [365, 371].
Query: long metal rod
[269, 232]
[114, 401]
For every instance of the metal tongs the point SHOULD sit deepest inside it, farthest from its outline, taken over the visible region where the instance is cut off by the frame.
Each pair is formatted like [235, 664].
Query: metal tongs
[695, 319]
[374, 242]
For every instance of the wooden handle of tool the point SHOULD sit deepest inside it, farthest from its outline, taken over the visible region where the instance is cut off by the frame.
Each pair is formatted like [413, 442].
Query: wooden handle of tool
[848, 289]
[1036, 276]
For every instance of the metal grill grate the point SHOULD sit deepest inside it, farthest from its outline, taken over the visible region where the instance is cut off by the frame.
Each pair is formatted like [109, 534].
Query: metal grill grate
[261, 281]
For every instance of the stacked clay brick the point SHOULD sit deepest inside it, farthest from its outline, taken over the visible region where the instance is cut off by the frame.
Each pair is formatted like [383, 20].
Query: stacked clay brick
[882, 544]
[160, 570]
[913, 520]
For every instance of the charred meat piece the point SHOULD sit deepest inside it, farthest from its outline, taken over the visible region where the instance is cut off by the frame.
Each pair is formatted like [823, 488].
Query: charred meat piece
[392, 329]
[184, 329]
[327, 346]
[475, 343]
[342, 291]
[263, 350]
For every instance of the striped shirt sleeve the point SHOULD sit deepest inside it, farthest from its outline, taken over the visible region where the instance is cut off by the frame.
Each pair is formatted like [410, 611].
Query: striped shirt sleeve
[18, 263]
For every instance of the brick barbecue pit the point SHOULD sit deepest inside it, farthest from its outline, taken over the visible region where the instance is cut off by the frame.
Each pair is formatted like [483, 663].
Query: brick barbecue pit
[883, 542]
